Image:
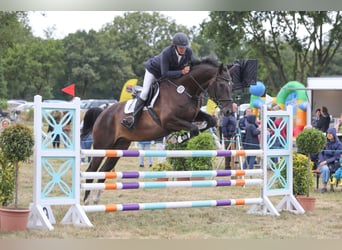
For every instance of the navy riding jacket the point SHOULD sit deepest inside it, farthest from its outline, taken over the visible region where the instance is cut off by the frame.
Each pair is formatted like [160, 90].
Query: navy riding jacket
[166, 63]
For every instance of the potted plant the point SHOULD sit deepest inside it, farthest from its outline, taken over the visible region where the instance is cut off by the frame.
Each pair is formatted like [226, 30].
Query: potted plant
[16, 144]
[162, 166]
[309, 141]
[302, 183]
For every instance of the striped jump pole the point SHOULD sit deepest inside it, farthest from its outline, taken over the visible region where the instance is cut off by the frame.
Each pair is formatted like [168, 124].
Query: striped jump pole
[169, 184]
[169, 174]
[166, 205]
[169, 153]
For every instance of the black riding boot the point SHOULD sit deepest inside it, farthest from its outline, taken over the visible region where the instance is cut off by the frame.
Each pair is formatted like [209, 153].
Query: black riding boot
[130, 121]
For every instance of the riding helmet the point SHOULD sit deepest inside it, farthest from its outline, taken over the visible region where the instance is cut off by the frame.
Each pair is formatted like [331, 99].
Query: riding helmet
[180, 40]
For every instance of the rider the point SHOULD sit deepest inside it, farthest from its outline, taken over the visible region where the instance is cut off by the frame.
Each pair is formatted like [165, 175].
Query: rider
[172, 62]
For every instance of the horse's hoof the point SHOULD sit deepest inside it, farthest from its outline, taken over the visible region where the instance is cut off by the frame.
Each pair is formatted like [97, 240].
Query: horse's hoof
[183, 138]
[86, 202]
[172, 139]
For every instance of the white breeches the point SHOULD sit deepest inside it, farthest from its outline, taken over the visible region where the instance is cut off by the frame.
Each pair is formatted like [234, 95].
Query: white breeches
[148, 80]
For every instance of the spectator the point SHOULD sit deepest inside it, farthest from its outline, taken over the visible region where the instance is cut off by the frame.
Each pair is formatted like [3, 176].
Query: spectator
[87, 128]
[318, 120]
[229, 130]
[160, 146]
[328, 156]
[219, 125]
[144, 145]
[243, 124]
[338, 175]
[252, 140]
[57, 116]
[326, 119]
[67, 127]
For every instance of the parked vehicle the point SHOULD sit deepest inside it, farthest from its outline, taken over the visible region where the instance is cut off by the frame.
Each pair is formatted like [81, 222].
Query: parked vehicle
[25, 107]
[93, 103]
[13, 103]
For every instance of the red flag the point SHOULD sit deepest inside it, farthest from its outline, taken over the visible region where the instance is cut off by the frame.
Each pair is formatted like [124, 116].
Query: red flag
[70, 90]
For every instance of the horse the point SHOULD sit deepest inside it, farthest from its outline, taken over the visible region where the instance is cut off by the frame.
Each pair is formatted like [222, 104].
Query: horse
[177, 107]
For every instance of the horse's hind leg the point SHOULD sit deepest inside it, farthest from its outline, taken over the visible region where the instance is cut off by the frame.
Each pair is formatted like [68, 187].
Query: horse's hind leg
[93, 166]
[107, 166]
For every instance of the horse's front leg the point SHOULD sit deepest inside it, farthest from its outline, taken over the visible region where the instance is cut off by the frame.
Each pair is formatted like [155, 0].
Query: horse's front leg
[210, 121]
[194, 131]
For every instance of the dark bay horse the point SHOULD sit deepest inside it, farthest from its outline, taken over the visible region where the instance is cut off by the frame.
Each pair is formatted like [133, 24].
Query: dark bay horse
[177, 107]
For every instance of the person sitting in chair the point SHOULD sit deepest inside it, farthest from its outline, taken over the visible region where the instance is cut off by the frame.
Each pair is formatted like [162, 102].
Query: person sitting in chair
[328, 156]
[172, 62]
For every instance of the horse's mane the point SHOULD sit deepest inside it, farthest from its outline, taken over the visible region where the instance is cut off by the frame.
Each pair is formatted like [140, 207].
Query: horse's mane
[206, 60]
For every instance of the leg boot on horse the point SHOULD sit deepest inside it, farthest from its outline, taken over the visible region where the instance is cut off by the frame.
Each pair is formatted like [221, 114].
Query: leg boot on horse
[130, 121]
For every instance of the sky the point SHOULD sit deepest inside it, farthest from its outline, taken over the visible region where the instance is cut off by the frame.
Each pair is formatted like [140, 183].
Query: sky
[66, 22]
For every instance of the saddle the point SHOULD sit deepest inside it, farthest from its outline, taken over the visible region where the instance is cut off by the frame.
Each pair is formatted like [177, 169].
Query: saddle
[152, 97]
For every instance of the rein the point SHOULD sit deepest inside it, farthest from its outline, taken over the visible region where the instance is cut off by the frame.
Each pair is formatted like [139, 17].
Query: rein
[229, 81]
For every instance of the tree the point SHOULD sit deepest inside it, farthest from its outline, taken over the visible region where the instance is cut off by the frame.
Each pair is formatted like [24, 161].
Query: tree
[3, 83]
[32, 68]
[313, 38]
[13, 29]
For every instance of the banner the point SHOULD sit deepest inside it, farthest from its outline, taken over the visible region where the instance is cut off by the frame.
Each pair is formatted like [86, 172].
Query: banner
[211, 107]
[127, 90]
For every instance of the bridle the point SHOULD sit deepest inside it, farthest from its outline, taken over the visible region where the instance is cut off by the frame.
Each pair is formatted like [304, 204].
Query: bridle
[227, 79]
[218, 77]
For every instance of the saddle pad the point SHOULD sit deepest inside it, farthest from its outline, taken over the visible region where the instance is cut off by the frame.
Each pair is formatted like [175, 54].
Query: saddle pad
[130, 104]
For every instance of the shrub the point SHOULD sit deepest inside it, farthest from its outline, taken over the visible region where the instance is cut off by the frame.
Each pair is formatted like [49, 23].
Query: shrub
[162, 166]
[301, 186]
[310, 141]
[6, 181]
[203, 141]
[3, 104]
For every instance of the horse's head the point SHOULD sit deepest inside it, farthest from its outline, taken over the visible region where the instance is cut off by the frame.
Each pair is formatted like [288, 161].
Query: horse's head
[220, 90]
[208, 76]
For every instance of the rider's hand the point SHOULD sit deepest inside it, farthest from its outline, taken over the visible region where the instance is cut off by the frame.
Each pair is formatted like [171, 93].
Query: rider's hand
[185, 70]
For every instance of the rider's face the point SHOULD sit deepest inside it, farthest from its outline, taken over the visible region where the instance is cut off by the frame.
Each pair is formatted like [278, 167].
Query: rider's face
[181, 50]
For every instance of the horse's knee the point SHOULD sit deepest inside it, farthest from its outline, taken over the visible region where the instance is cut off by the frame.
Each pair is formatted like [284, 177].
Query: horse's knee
[194, 131]
[212, 122]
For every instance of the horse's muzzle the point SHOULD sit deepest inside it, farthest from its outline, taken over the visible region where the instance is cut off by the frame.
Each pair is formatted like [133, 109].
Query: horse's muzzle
[227, 111]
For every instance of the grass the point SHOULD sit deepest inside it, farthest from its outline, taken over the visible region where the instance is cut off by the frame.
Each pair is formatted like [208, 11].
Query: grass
[187, 223]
